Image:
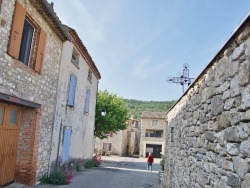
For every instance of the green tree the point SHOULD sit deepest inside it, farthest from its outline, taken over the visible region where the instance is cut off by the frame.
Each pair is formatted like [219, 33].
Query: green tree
[116, 114]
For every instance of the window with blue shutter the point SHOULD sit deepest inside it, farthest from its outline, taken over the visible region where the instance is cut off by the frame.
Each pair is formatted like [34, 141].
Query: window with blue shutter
[72, 89]
[66, 145]
[87, 99]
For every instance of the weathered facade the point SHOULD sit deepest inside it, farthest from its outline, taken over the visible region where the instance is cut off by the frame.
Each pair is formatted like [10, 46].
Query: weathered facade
[122, 143]
[153, 126]
[31, 38]
[115, 144]
[208, 132]
[73, 131]
[133, 135]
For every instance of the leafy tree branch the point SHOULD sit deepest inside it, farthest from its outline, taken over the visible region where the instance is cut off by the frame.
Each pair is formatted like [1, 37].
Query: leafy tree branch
[116, 114]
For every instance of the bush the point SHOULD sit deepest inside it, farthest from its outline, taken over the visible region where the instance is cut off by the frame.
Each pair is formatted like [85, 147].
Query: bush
[89, 164]
[57, 178]
[43, 180]
[79, 167]
[69, 176]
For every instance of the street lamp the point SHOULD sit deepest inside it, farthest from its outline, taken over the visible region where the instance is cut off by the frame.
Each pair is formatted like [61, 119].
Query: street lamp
[103, 113]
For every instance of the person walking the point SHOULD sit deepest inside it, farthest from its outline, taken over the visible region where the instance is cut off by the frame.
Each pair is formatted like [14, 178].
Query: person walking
[150, 161]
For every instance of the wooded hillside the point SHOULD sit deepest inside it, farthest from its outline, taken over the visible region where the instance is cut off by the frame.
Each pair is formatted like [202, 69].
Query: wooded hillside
[136, 107]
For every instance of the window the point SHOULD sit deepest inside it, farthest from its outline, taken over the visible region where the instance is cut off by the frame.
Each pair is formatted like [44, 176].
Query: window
[27, 40]
[155, 134]
[107, 146]
[90, 75]
[154, 122]
[13, 114]
[75, 57]
[87, 100]
[172, 134]
[9, 116]
[66, 145]
[28, 31]
[72, 88]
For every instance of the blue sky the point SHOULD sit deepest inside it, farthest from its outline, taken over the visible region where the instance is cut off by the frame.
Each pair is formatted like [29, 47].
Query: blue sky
[138, 44]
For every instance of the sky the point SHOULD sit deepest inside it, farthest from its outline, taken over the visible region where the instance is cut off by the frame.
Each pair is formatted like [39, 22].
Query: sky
[138, 44]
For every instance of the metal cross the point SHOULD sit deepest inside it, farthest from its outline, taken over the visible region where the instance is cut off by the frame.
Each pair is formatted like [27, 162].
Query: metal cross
[183, 79]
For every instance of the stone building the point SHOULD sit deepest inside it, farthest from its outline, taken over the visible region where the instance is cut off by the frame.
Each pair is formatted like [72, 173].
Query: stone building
[208, 132]
[73, 131]
[122, 143]
[133, 135]
[31, 38]
[114, 144]
[153, 126]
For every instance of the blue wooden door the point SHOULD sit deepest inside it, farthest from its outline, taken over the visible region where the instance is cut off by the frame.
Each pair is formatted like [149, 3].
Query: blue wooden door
[66, 145]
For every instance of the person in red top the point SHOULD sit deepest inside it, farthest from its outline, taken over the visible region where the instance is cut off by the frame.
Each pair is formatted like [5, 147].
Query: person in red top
[150, 161]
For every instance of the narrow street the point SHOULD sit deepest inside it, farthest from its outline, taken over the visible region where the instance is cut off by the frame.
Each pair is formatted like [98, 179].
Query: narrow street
[115, 172]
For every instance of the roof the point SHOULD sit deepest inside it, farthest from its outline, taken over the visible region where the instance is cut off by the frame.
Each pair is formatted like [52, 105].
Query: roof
[83, 50]
[48, 14]
[159, 115]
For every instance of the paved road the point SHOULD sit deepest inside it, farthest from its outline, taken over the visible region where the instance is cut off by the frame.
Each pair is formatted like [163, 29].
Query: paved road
[116, 172]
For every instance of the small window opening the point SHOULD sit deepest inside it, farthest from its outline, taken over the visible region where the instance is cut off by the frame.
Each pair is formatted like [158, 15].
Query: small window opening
[26, 41]
[75, 57]
[90, 75]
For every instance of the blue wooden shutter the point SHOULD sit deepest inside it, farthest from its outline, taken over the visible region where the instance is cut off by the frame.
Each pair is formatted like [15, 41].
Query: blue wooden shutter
[87, 99]
[66, 144]
[72, 88]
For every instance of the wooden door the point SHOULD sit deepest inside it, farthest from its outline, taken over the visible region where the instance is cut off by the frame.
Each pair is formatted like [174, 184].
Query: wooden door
[9, 130]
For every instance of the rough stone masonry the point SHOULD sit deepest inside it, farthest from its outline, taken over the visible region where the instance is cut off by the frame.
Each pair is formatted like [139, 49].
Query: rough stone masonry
[208, 132]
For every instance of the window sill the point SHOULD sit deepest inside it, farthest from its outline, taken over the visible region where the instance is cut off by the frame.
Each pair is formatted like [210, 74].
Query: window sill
[20, 65]
[89, 80]
[77, 66]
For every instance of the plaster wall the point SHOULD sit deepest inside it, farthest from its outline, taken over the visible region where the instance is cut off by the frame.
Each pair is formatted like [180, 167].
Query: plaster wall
[81, 123]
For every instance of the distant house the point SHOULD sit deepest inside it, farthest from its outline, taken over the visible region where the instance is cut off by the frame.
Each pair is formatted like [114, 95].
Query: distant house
[122, 143]
[73, 131]
[153, 126]
[114, 144]
[31, 38]
[133, 135]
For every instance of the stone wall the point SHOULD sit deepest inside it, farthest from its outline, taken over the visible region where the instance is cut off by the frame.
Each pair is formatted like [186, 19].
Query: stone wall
[17, 79]
[208, 133]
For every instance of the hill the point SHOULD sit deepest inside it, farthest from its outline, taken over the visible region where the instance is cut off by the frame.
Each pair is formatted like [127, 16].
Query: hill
[136, 107]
